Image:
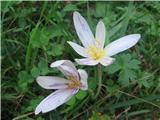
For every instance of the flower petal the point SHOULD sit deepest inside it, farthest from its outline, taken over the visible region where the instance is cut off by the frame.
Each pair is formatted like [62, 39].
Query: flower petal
[100, 33]
[83, 78]
[107, 61]
[66, 67]
[122, 44]
[49, 82]
[83, 30]
[80, 50]
[54, 100]
[86, 61]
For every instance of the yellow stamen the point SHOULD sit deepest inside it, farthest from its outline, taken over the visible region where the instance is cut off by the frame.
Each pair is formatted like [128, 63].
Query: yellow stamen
[96, 52]
[74, 82]
[98, 43]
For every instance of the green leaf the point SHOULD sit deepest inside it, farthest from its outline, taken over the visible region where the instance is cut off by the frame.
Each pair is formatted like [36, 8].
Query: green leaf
[130, 11]
[33, 103]
[55, 31]
[125, 58]
[126, 66]
[113, 68]
[145, 79]
[113, 31]
[134, 64]
[5, 5]
[100, 9]
[55, 50]
[144, 83]
[35, 72]
[43, 67]
[81, 94]
[112, 89]
[72, 101]
[24, 80]
[39, 37]
[70, 7]
[125, 76]
[8, 96]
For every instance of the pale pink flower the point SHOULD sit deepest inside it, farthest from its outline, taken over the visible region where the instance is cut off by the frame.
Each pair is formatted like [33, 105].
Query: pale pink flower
[75, 80]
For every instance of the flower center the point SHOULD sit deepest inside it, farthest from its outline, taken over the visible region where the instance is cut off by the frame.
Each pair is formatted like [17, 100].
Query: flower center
[74, 83]
[96, 53]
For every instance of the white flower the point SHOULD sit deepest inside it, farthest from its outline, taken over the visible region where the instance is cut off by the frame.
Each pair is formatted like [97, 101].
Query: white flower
[76, 79]
[94, 50]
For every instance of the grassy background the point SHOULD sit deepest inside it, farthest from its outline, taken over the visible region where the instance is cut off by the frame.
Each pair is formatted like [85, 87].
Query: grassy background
[34, 34]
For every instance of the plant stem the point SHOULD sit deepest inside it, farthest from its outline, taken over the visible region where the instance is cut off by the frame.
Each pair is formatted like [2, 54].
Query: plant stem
[99, 80]
[22, 116]
[141, 99]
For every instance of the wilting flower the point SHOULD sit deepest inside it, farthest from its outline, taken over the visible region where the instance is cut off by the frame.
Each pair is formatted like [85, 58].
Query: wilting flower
[93, 47]
[76, 79]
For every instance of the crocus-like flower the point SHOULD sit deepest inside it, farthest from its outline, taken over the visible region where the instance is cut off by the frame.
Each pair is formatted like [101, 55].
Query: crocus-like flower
[93, 47]
[76, 79]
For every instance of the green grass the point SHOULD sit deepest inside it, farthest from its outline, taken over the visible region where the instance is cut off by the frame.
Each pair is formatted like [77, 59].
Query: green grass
[34, 34]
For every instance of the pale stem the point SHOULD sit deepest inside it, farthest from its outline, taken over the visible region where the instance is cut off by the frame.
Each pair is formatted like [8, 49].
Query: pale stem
[99, 80]
[22, 116]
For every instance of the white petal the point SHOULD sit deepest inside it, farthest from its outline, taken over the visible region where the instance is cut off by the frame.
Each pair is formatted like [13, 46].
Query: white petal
[107, 61]
[86, 61]
[57, 63]
[54, 100]
[83, 78]
[80, 50]
[49, 82]
[122, 44]
[66, 67]
[100, 33]
[83, 30]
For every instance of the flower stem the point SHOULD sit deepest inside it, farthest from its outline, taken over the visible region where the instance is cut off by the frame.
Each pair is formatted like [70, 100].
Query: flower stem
[99, 80]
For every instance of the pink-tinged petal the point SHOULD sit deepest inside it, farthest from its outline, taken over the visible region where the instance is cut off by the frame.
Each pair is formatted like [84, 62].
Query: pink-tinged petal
[122, 44]
[49, 82]
[66, 67]
[57, 63]
[75, 91]
[54, 100]
[107, 61]
[83, 30]
[86, 61]
[80, 50]
[83, 78]
[100, 33]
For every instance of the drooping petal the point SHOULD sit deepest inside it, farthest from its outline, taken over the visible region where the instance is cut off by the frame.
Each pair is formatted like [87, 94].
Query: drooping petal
[86, 61]
[107, 61]
[57, 63]
[49, 82]
[80, 50]
[100, 33]
[122, 44]
[83, 30]
[66, 67]
[54, 100]
[83, 78]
